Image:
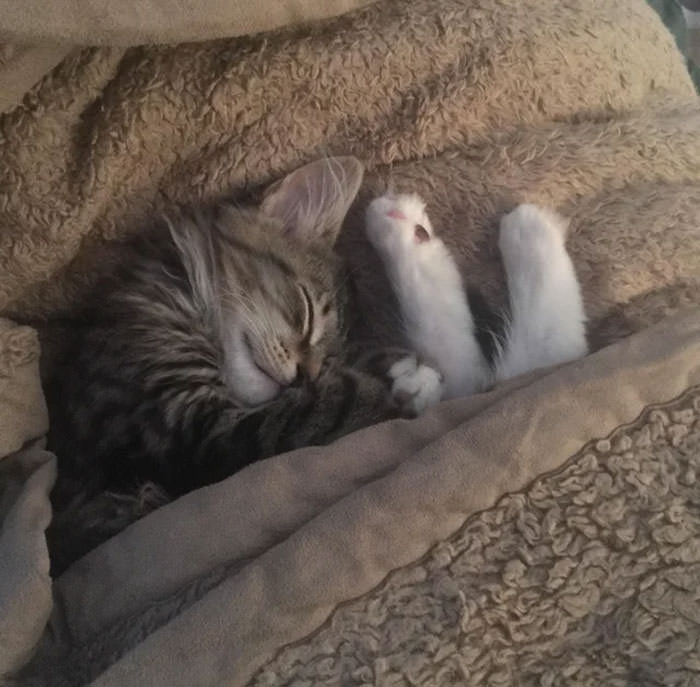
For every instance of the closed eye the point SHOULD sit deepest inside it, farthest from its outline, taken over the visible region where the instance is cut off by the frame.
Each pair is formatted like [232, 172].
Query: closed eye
[308, 327]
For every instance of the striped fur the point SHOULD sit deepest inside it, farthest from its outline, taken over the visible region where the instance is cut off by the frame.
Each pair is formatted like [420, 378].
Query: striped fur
[219, 344]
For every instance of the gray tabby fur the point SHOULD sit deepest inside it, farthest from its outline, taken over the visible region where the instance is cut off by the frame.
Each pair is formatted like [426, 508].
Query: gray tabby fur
[220, 343]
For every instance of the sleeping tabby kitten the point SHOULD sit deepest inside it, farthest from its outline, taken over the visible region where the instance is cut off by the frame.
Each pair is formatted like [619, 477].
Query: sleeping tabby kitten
[223, 342]
[219, 344]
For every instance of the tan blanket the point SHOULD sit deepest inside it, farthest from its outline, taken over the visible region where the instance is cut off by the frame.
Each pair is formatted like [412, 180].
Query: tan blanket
[589, 573]
[585, 106]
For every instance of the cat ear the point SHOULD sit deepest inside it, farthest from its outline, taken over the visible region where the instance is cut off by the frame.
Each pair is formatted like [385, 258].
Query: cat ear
[312, 201]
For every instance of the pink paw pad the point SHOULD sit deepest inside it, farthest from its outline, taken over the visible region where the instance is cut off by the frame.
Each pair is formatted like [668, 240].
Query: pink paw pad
[421, 234]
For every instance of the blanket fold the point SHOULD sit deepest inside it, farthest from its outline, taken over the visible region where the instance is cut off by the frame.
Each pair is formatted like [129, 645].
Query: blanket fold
[119, 136]
[190, 610]
[26, 476]
[99, 22]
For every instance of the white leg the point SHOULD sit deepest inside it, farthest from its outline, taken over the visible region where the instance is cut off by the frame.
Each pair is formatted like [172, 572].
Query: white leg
[430, 292]
[547, 324]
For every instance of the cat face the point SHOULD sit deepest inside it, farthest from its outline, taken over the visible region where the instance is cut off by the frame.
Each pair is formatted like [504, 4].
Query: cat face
[279, 315]
[269, 278]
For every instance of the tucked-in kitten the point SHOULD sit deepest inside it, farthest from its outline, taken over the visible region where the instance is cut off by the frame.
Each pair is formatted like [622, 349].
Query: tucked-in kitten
[547, 320]
[219, 344]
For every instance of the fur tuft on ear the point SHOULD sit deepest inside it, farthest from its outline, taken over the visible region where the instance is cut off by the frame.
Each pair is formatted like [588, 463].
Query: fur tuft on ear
[312, 201]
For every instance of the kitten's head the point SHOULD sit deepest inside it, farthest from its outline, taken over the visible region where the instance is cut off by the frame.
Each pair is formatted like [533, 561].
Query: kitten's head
[268, 279]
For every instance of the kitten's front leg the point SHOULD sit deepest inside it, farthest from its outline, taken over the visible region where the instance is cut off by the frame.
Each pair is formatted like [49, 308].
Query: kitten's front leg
[346, 399]
[428, 286]
[414, 385]
[216, 438]
[547, 324]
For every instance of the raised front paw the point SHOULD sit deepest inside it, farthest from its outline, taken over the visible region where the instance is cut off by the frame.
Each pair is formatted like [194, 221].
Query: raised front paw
[395, 223]
[531, 234]
[415, 386]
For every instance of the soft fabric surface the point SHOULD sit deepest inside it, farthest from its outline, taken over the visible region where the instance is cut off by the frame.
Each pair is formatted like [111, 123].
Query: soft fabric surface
[21, 66]
[26, 477]
[477, 106]
[136, 22]
[588, 577]
[207, 590]
[110, 138]
[33, 41]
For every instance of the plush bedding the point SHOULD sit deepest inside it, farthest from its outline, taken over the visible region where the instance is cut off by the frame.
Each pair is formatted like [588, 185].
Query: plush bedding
[545, 532]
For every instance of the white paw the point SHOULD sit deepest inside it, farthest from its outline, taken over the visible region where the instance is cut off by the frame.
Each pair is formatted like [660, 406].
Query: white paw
[415, 387]
[531, 234]
[396, 223]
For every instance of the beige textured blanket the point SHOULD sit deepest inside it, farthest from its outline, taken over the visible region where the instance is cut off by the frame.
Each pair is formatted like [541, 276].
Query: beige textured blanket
[392, 557]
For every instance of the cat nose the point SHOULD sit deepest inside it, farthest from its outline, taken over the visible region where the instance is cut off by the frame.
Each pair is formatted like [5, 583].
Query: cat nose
[313, 367]
[307, 371]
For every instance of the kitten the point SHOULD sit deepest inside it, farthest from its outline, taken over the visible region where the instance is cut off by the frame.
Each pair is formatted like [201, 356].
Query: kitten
[547, 320]
[220, 343]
